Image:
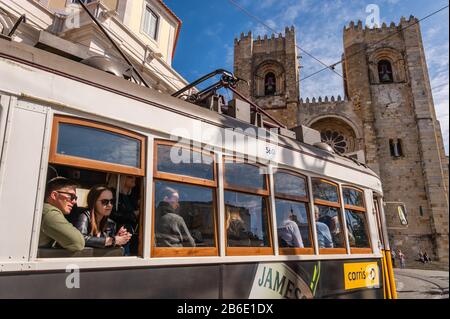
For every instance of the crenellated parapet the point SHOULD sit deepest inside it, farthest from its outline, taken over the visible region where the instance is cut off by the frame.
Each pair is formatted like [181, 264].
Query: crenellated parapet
[273, 42]
[393, 27]
[321, 101]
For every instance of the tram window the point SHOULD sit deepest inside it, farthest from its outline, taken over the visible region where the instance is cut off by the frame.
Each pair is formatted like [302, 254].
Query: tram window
[93, 145]
[183, 161]
[126, 209]
[246, 208]
[188, 219]
[293, 225]
[91, 153]
[243, 175]
[246, 220]
[328, 216]
[355, 215]
[184, 208]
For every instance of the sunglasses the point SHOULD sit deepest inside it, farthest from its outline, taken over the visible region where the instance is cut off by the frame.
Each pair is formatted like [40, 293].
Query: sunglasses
[106, 202]
[72, 196]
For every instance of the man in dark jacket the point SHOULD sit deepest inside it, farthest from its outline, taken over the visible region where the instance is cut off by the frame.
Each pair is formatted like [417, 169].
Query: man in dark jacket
[171, 230]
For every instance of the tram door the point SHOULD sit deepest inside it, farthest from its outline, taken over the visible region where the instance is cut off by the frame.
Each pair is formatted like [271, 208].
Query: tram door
[390, 291]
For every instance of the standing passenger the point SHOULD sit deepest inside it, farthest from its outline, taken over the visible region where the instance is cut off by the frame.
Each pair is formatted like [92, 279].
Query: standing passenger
[289, 233]
[126, 213]
[98, 230]
[60, 196]
[323, 232]
[171, 229]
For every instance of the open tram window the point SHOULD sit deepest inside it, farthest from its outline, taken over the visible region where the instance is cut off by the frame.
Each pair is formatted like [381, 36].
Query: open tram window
[293, 225]
[356, 218]
[246, 209]
[184, 209]
[95, 154]
[327, 211]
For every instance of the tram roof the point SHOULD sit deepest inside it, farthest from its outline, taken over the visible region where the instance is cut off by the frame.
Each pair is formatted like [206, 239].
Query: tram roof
[61, 66]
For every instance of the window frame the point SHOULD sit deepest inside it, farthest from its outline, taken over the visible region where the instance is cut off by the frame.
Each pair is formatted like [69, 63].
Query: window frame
[80, 162]
[359, 210]
[321, 202]
[305, 200]
[265, 194]
[192, 181]
[148, 7]
[390, 68]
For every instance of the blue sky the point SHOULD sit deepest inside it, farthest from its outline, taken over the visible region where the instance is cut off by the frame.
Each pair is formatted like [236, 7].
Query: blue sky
[210, 27]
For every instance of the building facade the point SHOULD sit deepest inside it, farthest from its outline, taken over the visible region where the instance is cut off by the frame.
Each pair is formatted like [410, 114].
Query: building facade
[386, 119]
[145, 30]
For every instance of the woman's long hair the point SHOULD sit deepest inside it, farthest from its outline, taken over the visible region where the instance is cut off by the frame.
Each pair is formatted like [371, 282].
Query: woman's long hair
[92, 197]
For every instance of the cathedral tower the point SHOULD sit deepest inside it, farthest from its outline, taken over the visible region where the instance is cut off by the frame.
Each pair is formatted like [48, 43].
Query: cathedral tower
[386, 75]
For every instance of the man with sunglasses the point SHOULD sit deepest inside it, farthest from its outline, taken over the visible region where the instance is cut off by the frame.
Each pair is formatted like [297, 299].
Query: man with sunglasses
[60, 197]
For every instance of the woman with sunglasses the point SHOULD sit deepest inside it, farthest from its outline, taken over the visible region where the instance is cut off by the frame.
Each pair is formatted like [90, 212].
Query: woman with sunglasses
[98, 230]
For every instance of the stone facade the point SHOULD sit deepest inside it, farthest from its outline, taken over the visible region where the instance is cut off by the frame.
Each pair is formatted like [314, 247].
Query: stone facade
[387, 115]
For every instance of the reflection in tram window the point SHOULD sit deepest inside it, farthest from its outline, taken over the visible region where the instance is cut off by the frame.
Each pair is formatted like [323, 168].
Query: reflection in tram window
[355, 215]
[357, 229]
[184, 215]
[324, 191]
[183, 161]
[96, 144]
[246, 220]
[353, 197]
[244, 175]
[290, 185]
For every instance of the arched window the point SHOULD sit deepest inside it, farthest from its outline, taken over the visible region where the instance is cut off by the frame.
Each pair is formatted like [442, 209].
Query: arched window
[269, 84]
[385, 72]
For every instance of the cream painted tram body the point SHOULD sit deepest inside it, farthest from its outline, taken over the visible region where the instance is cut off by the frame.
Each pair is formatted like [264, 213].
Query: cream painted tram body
[47, 102]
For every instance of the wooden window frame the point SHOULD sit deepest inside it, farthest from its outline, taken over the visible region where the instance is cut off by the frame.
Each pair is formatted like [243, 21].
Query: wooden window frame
[363, 211]
[305, 200]
[91, 164]
[192, 181]
[183, 178]
[331, 251]
[265, 194]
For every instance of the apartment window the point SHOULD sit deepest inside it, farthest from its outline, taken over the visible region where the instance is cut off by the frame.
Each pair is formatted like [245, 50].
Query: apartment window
[151, 22]
[395, 146]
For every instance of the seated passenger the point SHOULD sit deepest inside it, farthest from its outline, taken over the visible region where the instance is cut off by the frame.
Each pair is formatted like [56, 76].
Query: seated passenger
[60, 197]
[237, 232]
[289, 233]
[323, 232]
[171, 229]
[98, 230]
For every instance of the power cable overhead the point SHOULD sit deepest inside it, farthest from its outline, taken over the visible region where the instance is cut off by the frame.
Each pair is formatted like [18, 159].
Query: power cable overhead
[387, 37]
[275, 32]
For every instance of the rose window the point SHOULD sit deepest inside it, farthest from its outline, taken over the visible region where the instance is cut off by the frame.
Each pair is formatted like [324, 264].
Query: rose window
[336, 140]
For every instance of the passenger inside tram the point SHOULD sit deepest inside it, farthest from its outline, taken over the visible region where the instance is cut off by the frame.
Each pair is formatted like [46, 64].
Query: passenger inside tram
[125, 212]
[323, 232]
[289, 232]
[56, 231]
[238, 234]
[171, 229]
[98, 230]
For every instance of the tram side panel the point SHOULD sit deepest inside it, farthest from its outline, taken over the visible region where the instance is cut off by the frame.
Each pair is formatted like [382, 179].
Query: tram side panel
[272, 280]
[19, 179]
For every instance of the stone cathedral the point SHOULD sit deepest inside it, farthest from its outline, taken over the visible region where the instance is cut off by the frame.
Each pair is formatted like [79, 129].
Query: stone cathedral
[385, 119]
